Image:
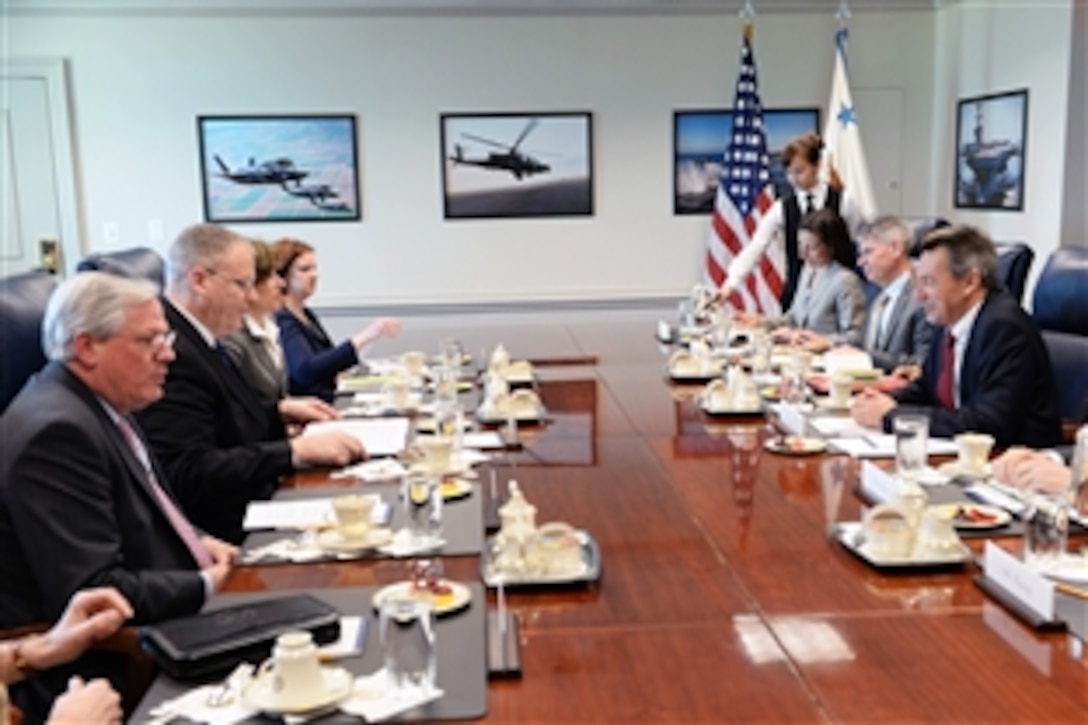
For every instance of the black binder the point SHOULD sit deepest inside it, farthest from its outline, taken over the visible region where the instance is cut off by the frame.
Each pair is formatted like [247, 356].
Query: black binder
[210, 644]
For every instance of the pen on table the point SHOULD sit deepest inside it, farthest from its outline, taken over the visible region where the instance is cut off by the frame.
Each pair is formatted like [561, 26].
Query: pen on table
[870, 441]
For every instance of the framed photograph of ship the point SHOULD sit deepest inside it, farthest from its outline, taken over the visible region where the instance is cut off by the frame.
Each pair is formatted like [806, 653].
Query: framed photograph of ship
[497, 165]
[279, 168]
[700, 138]
[990, 135]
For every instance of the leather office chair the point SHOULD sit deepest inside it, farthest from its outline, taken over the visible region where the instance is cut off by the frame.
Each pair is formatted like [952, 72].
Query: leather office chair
[922, 226]
[1061, 311]
[138, 262]
[23, 298]
[1013, 262]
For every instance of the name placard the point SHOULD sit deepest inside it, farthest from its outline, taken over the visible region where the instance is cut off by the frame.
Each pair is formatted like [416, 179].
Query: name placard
[877, 485]
[1031, 588]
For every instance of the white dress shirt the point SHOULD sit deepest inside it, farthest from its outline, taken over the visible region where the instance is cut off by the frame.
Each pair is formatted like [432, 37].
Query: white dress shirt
[961, 332]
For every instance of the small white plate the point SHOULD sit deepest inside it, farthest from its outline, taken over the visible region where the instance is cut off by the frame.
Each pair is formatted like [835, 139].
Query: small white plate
[259, 694]
[332, 540]
[458, 597]
[454, 488]
[976, 517]
[796, 446]
[952, 469]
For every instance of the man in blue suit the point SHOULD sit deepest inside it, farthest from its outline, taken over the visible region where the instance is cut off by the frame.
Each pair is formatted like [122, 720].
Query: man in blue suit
[987, 369]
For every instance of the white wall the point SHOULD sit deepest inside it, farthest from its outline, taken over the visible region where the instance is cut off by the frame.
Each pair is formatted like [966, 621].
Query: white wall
[140, 81]
[1075, 203]
[983, 48]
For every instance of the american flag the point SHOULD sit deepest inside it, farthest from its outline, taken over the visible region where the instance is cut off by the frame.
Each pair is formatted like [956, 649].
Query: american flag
[744, 194]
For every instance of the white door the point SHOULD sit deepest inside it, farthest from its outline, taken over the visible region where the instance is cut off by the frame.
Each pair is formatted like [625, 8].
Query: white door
[880, 120]
[37, 182]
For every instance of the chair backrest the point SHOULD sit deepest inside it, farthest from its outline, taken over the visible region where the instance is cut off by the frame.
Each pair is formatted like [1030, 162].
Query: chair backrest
[1061, 294]
[138, 262]
[1013, 262]
[922, 226]
[23, 298]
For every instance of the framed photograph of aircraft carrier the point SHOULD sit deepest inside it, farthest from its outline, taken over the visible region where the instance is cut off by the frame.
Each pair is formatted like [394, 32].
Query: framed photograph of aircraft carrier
[279, 168]
[700, 138]
[990, 135]
[497, 165]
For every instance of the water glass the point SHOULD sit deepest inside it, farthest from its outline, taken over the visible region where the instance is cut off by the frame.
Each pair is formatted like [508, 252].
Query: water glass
[1046, 529]
[452, 355]
[407, 631]
[911, 444]
[422, 498]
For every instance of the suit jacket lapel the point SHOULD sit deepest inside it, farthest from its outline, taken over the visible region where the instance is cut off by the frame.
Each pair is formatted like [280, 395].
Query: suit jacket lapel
[897, 317]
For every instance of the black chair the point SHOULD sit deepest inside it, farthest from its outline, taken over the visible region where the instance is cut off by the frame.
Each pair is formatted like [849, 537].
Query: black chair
[922, 226]
[23, 298]
[1061, 312]
[138, 263]
[1013, 262]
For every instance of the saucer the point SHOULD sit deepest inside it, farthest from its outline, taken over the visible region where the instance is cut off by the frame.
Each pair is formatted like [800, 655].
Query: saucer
[1070, 568]
[332, 540]
[976, 517]
[796, 446]
[458, 597]
[259, 694]
[826, 403]
[953, 469]
[454, 488]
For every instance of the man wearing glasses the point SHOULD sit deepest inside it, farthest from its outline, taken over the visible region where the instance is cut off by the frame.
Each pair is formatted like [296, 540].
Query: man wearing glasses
[82, 501]
[220, 445]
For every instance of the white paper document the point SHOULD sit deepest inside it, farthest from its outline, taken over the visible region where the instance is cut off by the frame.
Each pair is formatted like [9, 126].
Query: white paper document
[380, 436]
[882, 445]
[301, 514]
[482, 439]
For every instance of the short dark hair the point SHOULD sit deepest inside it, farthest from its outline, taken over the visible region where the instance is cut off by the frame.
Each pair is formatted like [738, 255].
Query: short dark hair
[832, 232]
[968, 248]
[808, 145]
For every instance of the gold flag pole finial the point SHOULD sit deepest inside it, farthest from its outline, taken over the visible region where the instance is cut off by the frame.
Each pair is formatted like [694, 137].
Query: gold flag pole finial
[747, 15]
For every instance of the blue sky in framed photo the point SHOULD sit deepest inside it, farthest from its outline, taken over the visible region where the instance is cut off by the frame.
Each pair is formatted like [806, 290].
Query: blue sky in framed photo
[323, 148]
[990, 152]
[700, 141]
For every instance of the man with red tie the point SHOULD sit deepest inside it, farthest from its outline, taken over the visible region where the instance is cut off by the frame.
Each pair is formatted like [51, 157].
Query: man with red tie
[987, 369]
[82, 502]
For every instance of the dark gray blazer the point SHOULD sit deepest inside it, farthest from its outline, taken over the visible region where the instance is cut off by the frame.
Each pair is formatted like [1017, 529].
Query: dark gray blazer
[250, 356]
[907, 339]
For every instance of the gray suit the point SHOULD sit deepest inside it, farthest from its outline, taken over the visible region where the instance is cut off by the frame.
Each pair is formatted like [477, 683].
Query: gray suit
[831, 303]
[251, 357]
[907, 337]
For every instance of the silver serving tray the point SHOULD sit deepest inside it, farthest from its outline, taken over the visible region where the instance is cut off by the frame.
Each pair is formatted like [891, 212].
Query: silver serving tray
[849, 535]
[591, 554]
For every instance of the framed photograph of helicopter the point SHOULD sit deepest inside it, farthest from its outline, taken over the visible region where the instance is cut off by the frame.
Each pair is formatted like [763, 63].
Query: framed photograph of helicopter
[700, 138]
[279, 168]
[990, 133]
[498, 165]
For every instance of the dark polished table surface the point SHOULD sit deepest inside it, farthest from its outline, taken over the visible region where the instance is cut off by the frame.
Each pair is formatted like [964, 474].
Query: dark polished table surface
[722, 595]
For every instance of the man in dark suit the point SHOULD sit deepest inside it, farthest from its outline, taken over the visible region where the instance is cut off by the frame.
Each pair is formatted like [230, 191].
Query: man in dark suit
[82, 504]
[219, 444]
[989, 370]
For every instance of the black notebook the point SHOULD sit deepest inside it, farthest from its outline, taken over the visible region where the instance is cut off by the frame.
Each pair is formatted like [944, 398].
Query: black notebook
[210, 644]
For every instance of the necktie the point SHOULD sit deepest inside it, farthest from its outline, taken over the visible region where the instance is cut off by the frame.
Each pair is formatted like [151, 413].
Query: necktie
[810, 203]
[873, 338]
[177, 519]
[945, 394]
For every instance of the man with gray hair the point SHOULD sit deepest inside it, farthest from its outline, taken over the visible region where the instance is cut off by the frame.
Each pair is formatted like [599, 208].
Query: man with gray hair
[990, 373]
[219, 444]
[896, 332]
[82, 502]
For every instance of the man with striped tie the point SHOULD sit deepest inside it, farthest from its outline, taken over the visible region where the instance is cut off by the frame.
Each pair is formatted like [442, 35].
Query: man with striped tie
[82, 503]
[988, 369]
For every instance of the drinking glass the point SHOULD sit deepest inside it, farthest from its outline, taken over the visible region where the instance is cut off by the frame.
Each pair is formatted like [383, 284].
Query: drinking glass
[452, 355]
[422, 497]
[1046, 529]
[911, 444]
[407, 632]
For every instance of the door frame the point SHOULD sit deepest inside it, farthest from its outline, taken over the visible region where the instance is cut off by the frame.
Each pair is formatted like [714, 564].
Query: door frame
[54, 72]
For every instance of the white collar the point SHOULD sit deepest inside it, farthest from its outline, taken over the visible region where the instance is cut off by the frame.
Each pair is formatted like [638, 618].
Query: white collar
[961, 328]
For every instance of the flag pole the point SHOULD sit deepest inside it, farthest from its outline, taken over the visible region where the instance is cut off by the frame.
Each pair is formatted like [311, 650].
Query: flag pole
[747, 16]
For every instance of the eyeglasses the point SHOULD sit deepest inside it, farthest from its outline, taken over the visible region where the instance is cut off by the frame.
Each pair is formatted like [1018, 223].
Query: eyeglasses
[158, 341]
[244, 284]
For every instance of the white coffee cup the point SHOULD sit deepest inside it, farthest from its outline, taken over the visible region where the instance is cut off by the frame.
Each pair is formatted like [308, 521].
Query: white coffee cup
[413, 362]
[888, 532]
[437, 452]
[397, 390]
[840, 388]
[937, 529]
[353, 515]
[294, 669]
[974, 451]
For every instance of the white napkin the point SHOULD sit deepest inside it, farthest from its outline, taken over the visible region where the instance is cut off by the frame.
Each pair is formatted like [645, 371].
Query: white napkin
[194, 706]
[402, 545]
[296, 549]
[376, 469]
[375, 700]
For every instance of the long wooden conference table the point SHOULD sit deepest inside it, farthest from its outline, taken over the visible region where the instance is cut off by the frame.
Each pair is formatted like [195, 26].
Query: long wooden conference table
[722, 596]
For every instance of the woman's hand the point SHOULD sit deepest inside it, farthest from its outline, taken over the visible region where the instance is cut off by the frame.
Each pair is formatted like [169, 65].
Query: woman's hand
[91, 702]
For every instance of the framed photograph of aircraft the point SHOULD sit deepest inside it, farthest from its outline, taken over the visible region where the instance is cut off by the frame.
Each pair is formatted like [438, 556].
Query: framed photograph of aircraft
[497, 165]
[990, 134]
[700, 138]
[279, 168]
